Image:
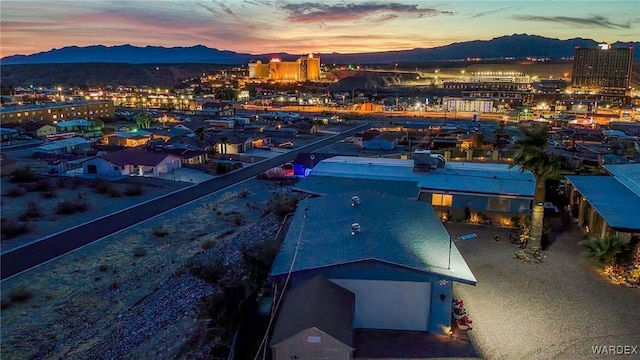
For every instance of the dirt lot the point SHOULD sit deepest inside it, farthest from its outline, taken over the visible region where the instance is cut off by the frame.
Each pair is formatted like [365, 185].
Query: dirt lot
[99, 204]
[74, 305]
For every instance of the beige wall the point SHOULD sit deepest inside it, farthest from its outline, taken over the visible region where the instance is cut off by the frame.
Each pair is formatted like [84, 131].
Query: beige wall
[299, 346]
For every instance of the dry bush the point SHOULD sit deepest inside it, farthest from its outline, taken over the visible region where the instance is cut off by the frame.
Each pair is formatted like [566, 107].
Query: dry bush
[282, 204]
[61, 183]
[12, 229]
[20, 294]
[32, 211]
[71, 207]
[23, 175]
[243, 194]
[139, 251]
[225, 234]
[159, 232]
[208, 244]
[49, 194]
[16, 192]
[133, 190]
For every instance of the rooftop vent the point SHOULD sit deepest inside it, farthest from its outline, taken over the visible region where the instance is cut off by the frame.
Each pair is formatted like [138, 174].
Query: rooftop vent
[355, 228]
[355, 200]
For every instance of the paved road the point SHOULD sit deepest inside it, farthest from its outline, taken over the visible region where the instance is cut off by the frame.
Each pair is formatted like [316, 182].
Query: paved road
[28, 256]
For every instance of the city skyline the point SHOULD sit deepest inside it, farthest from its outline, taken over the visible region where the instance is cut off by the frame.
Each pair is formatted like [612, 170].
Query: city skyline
[302, 27]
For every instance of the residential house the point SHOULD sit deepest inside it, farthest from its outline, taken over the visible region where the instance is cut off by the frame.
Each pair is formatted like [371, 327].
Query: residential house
[360, 138]
[280, 131]
[613, 212]
[304, 162]
[129, 139]
[74, 145]
[35, 129]
[315, 320]
[232, 143]
[391, 253]
[8, 134]
[260, 141]
[131, 162]
[218, 109]
[78, 125]
[477, 192]
[305, 128]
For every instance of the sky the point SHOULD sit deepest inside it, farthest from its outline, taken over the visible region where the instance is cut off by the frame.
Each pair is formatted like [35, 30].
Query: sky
[264, 26]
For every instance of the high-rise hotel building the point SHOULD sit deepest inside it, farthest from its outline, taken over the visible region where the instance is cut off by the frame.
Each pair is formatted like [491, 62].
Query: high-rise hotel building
[604, 70]
[306, 68]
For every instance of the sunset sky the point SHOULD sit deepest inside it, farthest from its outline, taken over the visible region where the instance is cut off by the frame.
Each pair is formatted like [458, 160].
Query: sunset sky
[262, 26]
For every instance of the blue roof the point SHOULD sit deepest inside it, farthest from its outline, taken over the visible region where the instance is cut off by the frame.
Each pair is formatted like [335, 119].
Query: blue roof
[331, 185]
[477, 178]
[396, 231]
[616, 203]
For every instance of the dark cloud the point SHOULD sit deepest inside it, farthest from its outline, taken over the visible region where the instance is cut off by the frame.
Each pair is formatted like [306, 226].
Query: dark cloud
[321, 13]
[593, 21]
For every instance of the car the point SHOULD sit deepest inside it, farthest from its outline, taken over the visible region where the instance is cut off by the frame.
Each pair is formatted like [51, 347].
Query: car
[24, 137]
[287, 145]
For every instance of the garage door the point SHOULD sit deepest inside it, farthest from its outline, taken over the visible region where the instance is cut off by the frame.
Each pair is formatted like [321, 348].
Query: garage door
[393, 305]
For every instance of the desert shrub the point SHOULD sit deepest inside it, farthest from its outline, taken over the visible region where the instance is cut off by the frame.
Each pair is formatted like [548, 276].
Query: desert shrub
[225, 233]
[282, 204]
[243, 194]
[103, 267]
[139, 251]
[61, 183]
[75, 183]
[43, 185]
[12, 229]
[16, 192]
[20, 294]
[218, 212]
[133, 190]
[71, 207]
[159, 232]
[208, 244]
[102, 187]
[49, 194]
[114, 192]
[23, 175]
[4, 303]
[32, 211]
[114, 285]
[238, 219]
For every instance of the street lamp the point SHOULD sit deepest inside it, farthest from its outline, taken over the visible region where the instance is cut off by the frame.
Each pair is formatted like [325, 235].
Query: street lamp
[460, 238]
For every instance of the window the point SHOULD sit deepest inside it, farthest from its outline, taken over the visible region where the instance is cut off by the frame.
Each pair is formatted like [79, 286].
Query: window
[441, 199]
[116, 168]
[497, 204]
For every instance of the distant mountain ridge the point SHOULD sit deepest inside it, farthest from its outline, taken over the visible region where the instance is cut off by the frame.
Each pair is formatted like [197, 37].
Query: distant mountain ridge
[513, 46]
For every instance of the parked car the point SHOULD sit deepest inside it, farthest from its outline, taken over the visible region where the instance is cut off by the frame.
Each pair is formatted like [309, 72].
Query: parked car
[287, 145]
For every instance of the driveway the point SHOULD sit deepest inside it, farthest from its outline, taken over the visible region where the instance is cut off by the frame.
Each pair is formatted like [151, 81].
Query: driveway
[559, 309]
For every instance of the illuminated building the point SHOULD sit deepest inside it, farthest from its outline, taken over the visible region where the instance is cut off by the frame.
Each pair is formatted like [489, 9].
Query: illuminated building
[602, 70]
[306, 68]
[50, 113]
[258, 70]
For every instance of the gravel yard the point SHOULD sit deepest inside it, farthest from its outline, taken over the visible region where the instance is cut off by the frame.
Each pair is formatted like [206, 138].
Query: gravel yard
[125, 296]
[558, 309]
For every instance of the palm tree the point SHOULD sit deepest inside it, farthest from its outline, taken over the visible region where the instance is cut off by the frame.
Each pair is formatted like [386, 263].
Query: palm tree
[532, 156]
[200, 133]
[604, 250]
[223, 144]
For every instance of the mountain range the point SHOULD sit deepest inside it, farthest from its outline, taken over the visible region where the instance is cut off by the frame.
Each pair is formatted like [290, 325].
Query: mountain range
[516, 46]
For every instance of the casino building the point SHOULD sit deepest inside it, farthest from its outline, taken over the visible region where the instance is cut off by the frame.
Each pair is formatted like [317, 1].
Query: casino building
[306, 68]
[604, 70]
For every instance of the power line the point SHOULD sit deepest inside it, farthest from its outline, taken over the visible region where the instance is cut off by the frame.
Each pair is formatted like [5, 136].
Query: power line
[275, 310]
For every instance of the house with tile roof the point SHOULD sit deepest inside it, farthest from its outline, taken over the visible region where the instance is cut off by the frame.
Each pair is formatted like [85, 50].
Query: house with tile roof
[393, 253]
